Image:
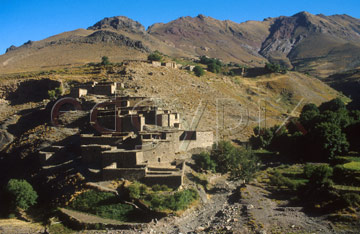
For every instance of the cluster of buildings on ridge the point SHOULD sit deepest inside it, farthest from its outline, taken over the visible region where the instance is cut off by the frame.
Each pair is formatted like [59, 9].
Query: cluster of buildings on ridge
[135, 139]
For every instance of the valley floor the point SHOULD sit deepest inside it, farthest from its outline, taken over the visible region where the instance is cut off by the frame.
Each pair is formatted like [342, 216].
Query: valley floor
[234, 208]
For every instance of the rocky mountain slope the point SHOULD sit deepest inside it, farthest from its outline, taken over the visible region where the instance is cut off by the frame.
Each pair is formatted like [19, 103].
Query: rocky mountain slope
[318, 44]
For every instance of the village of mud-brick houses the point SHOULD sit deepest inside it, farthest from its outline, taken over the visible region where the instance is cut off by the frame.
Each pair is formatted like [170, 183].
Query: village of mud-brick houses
[144, 142]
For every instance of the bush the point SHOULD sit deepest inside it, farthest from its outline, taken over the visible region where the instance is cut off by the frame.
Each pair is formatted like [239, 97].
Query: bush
[136, 190]
[156, 187]
[22, 194]
[198, 71]
[277, 179]
[103, 204]
[342, 175]
[332, 105]
[319, 175]
[156, 56]
[214, 67]
[350, 200]
[273, 67]
[105, 61]
[319, 188]
[204, 162]
[178, 201]
[55, 93]
[309, 170]
[205, 60]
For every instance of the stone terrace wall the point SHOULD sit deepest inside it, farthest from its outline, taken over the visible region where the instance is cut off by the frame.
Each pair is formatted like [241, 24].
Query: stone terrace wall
[126, 173]
[173, 181]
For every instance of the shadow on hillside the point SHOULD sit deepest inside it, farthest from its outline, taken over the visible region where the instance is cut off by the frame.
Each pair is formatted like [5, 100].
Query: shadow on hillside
[32, 91]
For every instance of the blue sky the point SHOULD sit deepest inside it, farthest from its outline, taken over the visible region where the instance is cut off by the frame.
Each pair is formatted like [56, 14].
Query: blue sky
[23, 20]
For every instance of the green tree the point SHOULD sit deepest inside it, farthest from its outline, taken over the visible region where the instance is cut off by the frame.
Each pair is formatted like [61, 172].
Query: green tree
[308, 115]
[245, 165]
[352, 135]
[223, 154]
[328, 140]
[156, 56]
[204, 161]
[332, 105]
[340, 117]
[241, 163]
[198, 71]
[263, 137]
[105, 61]
[22, 193]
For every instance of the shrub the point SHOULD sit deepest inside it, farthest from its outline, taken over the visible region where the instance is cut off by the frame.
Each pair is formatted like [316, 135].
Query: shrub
[156, 187]
[156, 56]
[277, 179]
[198, 71]
[103, 204]
[214, 67]
[22, 193]
[319, 188]
[332, 105]
[205, 60]
[55, 93]
[136, 190]
[346, 176]
[309, 170]
[178, 201]
[105, 61]
[88, 200]
[319, 175]
[350, 199]
[273, 67]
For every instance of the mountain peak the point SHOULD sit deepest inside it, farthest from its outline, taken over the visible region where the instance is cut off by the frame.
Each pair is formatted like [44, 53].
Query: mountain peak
[303, 13]
[201, 16]
[119, 23]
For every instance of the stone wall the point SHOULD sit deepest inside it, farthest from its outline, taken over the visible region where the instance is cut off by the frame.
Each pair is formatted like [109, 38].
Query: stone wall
[87, 139]
[122, 158]
[156, 63]
[193, 140]
[172, 181]
[126, 173]
[104, 89]
[92, 153]
[161, 152]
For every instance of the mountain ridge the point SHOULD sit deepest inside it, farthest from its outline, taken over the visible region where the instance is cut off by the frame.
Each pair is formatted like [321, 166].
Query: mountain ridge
[318, 44]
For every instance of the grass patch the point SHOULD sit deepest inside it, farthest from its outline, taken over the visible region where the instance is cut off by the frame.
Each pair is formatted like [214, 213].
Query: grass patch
[287, 177]
[163, 199]
[59, 229]
[102, 204]
[346, 188]
[354, 165]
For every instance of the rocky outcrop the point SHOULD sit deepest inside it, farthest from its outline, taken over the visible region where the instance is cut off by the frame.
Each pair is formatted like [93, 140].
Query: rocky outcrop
[11, 48]
[115, 38]
[119, 23]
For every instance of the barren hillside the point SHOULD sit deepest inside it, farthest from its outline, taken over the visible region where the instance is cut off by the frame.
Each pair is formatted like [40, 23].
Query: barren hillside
[318, 44]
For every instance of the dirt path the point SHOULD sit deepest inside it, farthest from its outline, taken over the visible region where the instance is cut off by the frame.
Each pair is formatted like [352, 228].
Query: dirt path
[15, 226]
[276, 216]
[232, 208]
